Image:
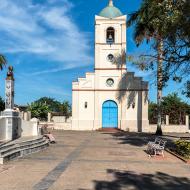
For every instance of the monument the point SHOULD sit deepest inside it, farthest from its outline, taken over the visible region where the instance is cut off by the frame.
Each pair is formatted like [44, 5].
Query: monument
[12, 121]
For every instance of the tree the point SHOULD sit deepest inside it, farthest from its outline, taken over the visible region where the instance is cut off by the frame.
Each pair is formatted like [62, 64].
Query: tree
[2, 61]
[39, 110]
[54, 105]
[173, 106]
[2, 104]
[147, 26]
[177, 43]
[152, 112]
[153, 23]
[186, 90]
[42, 106]
[65, 109]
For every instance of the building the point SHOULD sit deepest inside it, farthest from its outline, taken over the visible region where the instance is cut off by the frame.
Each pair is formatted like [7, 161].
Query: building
[111, 96]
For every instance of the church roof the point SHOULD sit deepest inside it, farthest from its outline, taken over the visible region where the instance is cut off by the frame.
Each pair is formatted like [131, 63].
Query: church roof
[110, 11]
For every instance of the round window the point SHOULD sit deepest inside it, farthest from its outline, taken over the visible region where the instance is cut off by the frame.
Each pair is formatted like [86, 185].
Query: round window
[110, 57]
[110, 82]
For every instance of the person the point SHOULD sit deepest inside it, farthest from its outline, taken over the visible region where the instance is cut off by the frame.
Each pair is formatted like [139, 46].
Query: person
[47, 134]
[51, 138]
[44, 129]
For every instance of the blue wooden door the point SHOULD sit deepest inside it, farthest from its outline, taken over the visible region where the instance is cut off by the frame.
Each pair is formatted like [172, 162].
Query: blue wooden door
[109, 114]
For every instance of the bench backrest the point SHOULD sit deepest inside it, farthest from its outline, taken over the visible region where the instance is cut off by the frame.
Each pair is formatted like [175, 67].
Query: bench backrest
[157, 140]
[163, 143]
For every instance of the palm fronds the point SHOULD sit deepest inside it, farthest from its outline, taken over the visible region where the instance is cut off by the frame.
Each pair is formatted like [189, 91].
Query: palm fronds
[3, 61]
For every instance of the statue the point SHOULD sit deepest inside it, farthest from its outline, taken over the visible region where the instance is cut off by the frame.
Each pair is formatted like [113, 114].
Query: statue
[10, 75]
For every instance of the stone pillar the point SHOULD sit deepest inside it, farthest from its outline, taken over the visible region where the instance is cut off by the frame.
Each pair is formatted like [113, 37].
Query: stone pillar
[26, 116]
[9, 94]
[167, 120]
[22, 115]
[187, 121]
[12, 125]
[29, 115]
[49, 117]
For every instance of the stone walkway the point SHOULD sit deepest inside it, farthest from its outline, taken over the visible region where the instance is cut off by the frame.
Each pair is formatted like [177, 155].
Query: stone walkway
[95, 161]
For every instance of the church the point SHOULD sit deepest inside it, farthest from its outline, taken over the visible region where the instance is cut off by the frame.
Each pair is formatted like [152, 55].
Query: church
[111, 96]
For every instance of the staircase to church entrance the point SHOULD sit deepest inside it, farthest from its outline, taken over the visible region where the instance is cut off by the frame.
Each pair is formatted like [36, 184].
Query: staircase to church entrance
[109, 130]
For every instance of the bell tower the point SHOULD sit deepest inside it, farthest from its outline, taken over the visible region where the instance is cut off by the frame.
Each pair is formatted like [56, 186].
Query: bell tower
[111, 96]
[110, 38]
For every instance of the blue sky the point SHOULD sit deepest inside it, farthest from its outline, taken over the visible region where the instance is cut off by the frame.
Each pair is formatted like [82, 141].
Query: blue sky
[50, 43]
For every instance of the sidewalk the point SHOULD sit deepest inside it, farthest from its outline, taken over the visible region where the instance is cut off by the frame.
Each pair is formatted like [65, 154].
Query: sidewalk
[96, 161]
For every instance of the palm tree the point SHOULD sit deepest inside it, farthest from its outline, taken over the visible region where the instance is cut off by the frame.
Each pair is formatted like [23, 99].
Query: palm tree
[2, 61]
[151, 23]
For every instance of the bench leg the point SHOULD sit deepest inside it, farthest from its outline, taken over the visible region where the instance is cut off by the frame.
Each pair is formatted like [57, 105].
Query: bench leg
[163, 153]
[155, 152]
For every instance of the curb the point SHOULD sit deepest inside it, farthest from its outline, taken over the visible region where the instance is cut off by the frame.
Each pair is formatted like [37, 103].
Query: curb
[178, 156]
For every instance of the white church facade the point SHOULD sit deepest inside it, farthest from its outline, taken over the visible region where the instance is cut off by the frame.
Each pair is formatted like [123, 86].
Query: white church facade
[111, 96]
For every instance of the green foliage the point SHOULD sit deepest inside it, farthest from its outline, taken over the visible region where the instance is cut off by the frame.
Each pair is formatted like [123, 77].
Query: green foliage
[158, 22]
[168, 21]
[42, 106]
[2, 61]
[2, 104]
[65, 109]
[39, 110]
[183, 148]
[152, 112]
[173, 106]
[186, 90]
[54, 105]
[153, 19]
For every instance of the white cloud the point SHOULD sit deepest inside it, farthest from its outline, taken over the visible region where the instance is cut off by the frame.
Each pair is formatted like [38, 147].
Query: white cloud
[43, 29]
[54, 70]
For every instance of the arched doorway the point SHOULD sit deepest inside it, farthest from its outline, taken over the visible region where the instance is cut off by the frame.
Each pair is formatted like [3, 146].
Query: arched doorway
[109, 114]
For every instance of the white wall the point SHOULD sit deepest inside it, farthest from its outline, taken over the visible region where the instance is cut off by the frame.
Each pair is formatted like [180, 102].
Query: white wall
[62, 126]
[170, 128]
[29, 128]
[90, 118]
[2, 129]
[59, 119]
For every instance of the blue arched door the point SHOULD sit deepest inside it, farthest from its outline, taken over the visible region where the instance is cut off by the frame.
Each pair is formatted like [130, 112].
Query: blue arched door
[109, 114]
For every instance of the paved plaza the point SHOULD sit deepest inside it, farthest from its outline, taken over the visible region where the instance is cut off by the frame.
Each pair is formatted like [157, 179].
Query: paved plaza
[98, 161]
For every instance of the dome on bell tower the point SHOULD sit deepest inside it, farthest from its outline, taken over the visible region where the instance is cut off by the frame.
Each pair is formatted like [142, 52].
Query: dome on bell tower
[110, 11]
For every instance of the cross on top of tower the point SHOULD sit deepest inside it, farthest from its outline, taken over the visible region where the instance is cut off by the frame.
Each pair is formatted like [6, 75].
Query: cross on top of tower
[110, 2]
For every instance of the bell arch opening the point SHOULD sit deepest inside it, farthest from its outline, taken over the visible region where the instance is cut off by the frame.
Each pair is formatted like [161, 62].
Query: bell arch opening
[110, 35]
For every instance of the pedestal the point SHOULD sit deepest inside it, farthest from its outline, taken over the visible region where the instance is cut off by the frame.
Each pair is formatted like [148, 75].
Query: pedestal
[12, 123]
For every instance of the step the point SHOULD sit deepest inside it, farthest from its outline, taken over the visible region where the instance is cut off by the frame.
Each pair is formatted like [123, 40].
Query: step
[6, 146]
[19, 142]
[20, 146]
[22, 150]
[26, 140]
[4, 143]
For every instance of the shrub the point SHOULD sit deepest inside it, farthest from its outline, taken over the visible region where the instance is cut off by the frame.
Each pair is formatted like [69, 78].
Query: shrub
[183, 148]
[39, 110]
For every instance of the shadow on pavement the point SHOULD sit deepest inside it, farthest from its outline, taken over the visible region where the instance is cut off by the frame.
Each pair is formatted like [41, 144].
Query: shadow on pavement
[130, 180]
[138, 139]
